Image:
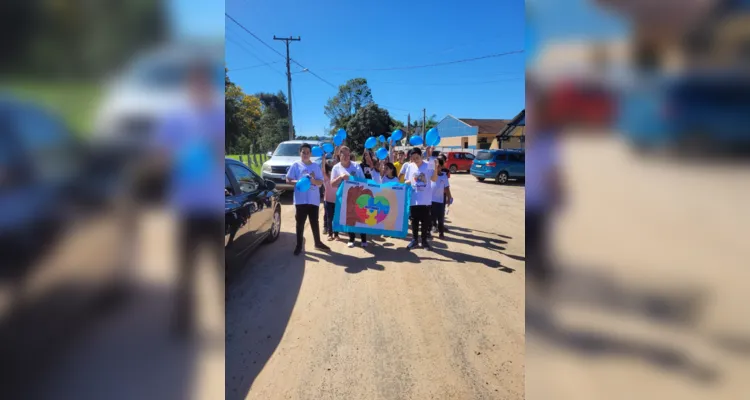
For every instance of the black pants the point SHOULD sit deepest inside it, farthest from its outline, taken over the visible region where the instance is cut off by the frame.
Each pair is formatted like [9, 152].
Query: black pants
[195, 233]
[438, 216]
[420, 215]
[362, 236]
[330, 210]
[537, 246]
[304, 212]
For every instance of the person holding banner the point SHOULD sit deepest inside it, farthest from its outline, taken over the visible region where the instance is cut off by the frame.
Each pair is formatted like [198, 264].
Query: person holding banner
[341, 172]
[306, 202]
[330, 198]
[419, 174]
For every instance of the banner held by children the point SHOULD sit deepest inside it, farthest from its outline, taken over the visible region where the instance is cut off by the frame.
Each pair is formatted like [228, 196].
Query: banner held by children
[363, 206]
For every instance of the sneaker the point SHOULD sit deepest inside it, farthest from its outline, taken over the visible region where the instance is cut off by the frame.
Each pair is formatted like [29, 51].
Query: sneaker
[411, 245]
[350, 245]
[297, 250]
[330, 238]
[442, 236]
[426, 245]
[325, 231]
[364, 244]
[321, 246]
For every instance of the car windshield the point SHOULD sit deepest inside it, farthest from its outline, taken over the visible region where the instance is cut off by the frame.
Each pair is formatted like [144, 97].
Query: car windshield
[287, 150]
[484, 155]
[159, 72]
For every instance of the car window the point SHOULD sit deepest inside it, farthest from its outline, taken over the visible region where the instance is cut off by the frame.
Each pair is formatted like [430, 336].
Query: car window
[227, 183]
[469, 156]
[248, 181]
[501, 157]
[516, 157]
[484, 156]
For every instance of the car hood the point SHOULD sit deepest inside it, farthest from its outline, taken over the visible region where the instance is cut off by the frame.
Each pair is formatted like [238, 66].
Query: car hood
[277, 161]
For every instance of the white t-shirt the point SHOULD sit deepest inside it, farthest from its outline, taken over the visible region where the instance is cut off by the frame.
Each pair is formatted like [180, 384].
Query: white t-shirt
[420, 180]
[353, 170]
[384, 179]
[296, 172]
[438, 188]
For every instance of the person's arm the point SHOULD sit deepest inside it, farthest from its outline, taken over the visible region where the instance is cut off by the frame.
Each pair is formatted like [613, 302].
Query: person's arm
[337, 179]
[292, 175]
[315, 181]
[435, 168]
[448, 192]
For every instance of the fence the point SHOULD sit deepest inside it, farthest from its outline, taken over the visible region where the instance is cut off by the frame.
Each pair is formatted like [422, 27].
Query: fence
[254, 161]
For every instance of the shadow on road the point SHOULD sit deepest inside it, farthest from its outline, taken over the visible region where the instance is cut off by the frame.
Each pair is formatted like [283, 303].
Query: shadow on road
[463, 258]
[460, 229]
[379, 254]
[259, 305]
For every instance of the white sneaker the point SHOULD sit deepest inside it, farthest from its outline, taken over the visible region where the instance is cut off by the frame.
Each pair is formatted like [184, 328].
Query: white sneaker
[364, 244]
[350, 245]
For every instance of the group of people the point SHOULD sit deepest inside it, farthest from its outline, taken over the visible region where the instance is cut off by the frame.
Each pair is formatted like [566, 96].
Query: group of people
[426, 175]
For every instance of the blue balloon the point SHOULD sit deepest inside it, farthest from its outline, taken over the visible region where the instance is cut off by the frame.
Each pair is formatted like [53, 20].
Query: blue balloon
[328, 147]
[338, 139]
[415, 140]
[382, 153]
[317, 151]
[341, 132]
[371, 142]
[303, 184]
[382, 139]
[397, 135]
[432, 138]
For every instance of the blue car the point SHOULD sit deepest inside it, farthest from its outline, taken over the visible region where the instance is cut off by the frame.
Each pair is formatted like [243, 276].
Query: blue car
[699, 110]
[500, 165]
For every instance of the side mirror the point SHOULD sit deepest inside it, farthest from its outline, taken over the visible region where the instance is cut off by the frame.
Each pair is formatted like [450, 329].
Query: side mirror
[270, 185]
[269, 154]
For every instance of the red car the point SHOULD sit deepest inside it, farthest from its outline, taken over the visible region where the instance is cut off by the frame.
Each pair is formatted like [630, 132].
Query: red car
[458, 161]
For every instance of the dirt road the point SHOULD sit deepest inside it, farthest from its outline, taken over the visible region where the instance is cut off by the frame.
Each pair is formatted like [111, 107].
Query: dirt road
[383, 322]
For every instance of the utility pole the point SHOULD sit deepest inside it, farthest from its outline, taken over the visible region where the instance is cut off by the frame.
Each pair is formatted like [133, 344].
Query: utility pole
[289, 81]
[408, 124]
[424, 123]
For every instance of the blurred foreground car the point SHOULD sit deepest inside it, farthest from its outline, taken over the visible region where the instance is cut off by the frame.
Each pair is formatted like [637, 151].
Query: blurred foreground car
[252, 212]
[706, 111]
[47, 176]
[500, 165]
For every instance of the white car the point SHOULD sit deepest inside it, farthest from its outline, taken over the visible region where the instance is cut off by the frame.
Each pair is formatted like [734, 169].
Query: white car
[153, 85]
[286, 154]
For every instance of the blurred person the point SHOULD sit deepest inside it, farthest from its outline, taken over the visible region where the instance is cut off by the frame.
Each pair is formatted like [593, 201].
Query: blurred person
[388, 173]
[543, 187]
[419, 174]
[343, 171]
[307, 203]
[190, 145]
[399, 163]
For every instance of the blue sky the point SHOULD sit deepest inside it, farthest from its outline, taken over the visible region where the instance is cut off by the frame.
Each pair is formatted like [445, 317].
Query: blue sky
[339, 36]
[204, 18]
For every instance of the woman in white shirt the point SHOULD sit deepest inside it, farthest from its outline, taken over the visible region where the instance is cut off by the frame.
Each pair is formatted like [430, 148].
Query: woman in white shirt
[341, 172]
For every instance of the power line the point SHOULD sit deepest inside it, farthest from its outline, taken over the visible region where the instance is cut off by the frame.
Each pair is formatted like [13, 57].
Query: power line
[448, 84]
[433, 64]
[254, 66]
[279, 53]
[268, 64]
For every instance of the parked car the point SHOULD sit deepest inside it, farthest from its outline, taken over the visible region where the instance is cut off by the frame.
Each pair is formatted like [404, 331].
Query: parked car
[500, 165]
[699, 110]
[252, 212]
[458, 161]
[286, 154]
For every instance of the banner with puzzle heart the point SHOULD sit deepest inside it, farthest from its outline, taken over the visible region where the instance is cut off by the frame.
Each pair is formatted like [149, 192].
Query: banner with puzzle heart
[364, 206]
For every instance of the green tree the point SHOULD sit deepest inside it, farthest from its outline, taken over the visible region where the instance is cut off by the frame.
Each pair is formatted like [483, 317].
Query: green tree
[370, 120]
[351, 97]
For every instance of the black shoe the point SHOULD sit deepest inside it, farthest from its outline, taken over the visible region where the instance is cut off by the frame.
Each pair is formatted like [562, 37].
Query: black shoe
[411, 245]
[426, 245]
[321, 246]
[297, 250]
[442, 236]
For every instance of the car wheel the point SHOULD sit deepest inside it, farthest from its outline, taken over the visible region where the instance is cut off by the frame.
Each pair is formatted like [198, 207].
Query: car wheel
[453, 169]
[480, 179]
[275, 226]
[502, 178]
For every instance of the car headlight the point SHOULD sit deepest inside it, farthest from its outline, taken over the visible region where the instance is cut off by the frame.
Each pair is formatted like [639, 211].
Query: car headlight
[266, 168]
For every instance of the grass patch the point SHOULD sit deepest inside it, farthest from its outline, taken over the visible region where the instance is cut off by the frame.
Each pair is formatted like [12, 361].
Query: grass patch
[254, 161]
[75, 102]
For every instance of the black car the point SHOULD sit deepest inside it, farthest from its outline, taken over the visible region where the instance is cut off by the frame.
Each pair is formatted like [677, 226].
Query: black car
[252, 212]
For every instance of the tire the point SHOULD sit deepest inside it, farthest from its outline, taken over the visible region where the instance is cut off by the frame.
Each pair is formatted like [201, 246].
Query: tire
[453, 169]
[502, 178]
[480, 179]
[273, 234]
